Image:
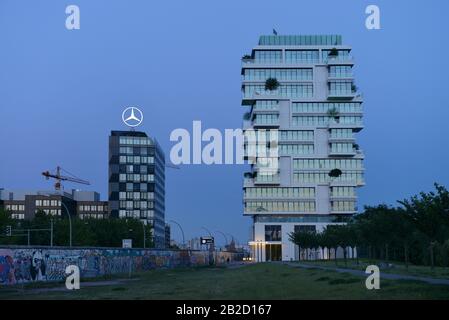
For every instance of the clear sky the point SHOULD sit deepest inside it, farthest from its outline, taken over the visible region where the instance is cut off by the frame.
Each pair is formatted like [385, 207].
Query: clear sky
[61, 92]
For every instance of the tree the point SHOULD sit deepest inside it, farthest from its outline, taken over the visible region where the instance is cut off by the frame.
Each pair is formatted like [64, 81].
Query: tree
[429, 212]
[305, 240]
[333, 52]
[333, 113]
[330, 239]
[335, 173]
[271, 84]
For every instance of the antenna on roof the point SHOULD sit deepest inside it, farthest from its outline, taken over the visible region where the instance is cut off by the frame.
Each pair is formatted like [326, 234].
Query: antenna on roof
[275, 32]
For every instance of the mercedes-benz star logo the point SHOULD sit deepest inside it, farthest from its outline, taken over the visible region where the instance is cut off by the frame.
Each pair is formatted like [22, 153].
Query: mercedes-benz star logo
[132, 116]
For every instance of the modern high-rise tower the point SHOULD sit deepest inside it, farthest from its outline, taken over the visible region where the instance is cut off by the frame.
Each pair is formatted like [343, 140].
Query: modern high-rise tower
[137, 180]
[313, 103]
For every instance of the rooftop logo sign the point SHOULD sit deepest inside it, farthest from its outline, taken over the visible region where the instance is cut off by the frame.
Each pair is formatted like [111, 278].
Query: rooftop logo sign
[132, 117]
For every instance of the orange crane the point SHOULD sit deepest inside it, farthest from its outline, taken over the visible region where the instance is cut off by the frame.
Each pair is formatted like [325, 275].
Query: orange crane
[58, 177]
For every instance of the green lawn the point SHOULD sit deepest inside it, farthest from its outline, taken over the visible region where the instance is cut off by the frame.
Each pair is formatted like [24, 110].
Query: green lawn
[398, 267]
[257, 281]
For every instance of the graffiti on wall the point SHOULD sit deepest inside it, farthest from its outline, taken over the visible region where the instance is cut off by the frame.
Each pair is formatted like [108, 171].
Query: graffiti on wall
[31, 264]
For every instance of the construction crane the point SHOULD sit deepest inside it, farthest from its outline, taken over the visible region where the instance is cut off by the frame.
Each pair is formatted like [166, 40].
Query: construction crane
[58, 177]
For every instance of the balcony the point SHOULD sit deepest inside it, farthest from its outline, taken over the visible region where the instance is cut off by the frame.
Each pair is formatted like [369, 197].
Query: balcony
[356, 125]
[342, 153]
[343, 197]
[334, 76]
[339, 60]
[341, 95]
[267, 179]
[339, 138]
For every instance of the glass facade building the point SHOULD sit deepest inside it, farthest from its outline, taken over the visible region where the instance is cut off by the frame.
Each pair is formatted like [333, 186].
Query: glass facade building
[137, 180]
[316, 111]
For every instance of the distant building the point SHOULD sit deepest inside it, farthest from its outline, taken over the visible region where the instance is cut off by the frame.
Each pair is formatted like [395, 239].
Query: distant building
[137, 180]
[24, 204]
[194, 244]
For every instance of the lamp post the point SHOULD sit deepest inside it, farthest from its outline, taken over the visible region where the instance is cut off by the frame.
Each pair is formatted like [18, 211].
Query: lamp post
[211, 247]
[70, 222]
[226, 239]
[144, 235]
[182, 232]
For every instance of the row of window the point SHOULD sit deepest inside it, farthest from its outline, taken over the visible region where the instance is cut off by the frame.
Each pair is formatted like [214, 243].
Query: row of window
[136, 214]
[279, 74]
[53, 212]
[324, 120]
[268, 56]
[344, 148]
[92, 216]
[296, 135]
[295, 149]
[260, 150]
[136, 177]
[142, 187]
[15, 207]
[343, 206]
[141, 141]
[279, 192]
[268, 119]
[48, 203]
[267, 178]
[340, 71]
[136, 159]
[129, 168]
[92, 208]
[262, 136]
[323, 107]
[279, 206]
[340, 88]
[323, 177]
[302, 56]
[343, 191]
[135, 150]
[19, 216]
[136, 195]
[341, 134]
[284, 90]
[327, 164]
[297, 56]
[263, 105]
[136, 204]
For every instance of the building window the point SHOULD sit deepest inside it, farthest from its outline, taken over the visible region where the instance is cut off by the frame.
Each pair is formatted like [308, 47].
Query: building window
[273, 233]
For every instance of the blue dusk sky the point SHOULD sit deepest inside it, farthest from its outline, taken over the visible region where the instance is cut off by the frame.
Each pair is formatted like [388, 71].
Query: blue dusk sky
[62, 92]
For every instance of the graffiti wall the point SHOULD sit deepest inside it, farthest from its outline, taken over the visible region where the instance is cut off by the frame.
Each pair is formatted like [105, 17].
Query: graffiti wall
[19, 265]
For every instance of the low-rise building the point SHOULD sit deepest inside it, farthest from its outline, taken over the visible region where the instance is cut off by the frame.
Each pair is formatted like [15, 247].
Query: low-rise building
[24, 204]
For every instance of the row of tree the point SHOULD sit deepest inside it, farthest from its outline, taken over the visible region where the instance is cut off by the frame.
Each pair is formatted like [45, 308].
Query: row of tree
[86, 232]
[416, 231]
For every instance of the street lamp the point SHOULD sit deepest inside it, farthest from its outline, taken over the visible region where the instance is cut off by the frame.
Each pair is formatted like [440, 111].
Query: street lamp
[70, 221]
[207, 230]
[182, 232]
[144, 235]
[226, 239]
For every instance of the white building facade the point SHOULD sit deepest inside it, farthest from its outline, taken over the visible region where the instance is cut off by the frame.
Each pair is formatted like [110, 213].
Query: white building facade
[314, 113]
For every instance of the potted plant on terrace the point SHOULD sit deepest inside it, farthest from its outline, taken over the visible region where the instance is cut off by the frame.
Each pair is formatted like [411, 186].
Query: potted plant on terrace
[271, 84]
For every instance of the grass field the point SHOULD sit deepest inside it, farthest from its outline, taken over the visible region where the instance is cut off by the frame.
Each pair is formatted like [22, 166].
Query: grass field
[257, 281]
[397, 268]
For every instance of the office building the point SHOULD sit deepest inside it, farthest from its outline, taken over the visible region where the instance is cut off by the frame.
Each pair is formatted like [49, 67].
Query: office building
[24, 204]
[137, 180]
[311, 104]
